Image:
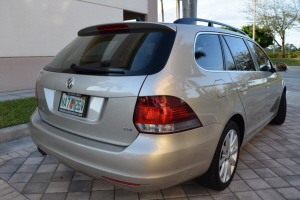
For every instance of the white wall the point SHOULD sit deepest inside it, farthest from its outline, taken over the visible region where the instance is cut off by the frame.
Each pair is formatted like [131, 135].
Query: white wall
[32, 31]
[44, 27]
[20, 73]
[140, 6]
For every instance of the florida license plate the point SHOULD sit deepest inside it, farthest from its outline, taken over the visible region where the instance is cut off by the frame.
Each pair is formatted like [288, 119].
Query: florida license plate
[73, 104]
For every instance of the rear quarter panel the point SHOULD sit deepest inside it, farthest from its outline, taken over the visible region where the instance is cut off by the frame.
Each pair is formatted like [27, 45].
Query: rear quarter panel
[183, 78]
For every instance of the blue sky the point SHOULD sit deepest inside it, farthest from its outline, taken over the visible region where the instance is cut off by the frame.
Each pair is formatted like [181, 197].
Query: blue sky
[228, 12]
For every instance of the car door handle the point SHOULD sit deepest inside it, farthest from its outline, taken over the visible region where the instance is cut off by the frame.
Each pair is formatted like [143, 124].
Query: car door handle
[243, 89]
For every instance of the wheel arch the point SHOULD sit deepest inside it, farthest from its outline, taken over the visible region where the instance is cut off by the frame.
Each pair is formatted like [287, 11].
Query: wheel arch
[240, 122]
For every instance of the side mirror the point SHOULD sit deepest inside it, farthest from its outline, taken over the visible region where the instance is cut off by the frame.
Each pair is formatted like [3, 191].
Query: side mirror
[264, 68]
[281, 66]
[272, 70]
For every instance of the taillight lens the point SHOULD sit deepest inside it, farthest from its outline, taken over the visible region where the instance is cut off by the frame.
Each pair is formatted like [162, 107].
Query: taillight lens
[164, 114]
[113, 26]
[113, 29]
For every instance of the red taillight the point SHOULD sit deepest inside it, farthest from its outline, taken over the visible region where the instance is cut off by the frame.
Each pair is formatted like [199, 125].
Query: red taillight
[111, 27]
[164, 114]
[131, 184]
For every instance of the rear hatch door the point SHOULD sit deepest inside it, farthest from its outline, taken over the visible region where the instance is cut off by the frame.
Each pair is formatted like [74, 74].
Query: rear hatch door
[90, 88]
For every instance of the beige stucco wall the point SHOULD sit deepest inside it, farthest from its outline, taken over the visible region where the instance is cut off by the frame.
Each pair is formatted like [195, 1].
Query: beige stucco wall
[43, 27]
[140, 6]
[31, 31]
[152, 11]
[20, 73]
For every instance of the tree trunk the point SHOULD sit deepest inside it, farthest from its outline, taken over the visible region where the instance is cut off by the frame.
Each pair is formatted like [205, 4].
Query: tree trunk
[193, 8]
[189, 8]
[283, 50]
[177, 9]
[185, 9]
[162, 11]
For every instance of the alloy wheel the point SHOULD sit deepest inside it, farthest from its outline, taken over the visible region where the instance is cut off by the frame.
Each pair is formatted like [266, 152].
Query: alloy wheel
[228, 156]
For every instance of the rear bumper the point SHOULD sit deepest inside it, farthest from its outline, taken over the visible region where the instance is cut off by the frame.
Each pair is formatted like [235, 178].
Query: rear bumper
[153, 161]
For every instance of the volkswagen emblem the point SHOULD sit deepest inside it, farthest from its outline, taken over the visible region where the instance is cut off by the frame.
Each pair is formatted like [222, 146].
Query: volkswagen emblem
[70, 83]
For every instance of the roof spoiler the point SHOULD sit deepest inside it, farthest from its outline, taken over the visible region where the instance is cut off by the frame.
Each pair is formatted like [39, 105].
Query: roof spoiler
[210, 23]
[124, 28]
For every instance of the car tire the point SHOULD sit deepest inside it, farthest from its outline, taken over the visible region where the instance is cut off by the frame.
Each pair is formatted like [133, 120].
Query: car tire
[219, 176]
[281, 112]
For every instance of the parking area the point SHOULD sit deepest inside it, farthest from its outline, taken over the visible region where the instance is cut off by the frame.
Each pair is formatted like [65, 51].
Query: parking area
[269, 168]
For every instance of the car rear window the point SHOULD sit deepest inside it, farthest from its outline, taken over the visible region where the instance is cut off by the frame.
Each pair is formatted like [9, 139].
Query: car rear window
[137, 53]
[208, 53]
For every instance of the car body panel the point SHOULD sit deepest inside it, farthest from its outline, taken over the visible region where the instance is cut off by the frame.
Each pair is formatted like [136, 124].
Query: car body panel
[273, 92]
[161, 160]
[105, 95]
[251, 89]
[193, 84]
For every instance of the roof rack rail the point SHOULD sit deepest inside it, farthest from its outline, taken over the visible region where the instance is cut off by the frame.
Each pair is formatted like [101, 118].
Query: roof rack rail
[210, 23]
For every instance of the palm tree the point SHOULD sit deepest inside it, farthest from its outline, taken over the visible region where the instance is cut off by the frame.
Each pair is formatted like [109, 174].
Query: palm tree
[162, 10]
[177, 9]
[189, 8]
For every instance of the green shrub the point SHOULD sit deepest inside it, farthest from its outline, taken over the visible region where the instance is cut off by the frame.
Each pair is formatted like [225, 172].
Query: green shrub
[287, 55]
[288, 61]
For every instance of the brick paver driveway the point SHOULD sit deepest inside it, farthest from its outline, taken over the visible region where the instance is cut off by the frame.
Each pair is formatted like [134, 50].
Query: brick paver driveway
[269, 168]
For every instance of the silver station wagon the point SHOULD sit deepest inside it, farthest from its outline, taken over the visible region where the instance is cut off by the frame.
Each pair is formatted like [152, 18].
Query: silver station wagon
[146, 106]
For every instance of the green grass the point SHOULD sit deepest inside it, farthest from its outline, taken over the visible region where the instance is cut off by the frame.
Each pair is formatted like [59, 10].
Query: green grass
[288, 61]
[16, 112]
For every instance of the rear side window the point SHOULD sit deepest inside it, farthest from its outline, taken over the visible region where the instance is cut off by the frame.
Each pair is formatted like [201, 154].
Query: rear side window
[137, 53]
[260, 56]
[228, 57]
[240, 53]
[208, 53]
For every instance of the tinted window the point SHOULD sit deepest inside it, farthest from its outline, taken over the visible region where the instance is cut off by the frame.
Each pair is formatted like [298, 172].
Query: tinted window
[138, 53]
[228, 57]
[208, 54]
[260, 56]
[240, 53]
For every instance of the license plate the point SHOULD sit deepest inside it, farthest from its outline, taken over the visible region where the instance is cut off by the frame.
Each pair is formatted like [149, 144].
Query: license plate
[73, 104]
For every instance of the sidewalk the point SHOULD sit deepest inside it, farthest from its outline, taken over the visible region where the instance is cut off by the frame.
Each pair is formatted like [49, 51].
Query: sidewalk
[4, 96]
[15, 137]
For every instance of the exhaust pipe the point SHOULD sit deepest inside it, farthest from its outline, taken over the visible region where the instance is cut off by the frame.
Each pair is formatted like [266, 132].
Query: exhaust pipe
[41, 151]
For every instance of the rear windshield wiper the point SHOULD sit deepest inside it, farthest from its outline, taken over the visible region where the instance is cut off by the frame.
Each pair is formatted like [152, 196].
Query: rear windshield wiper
[96, 70]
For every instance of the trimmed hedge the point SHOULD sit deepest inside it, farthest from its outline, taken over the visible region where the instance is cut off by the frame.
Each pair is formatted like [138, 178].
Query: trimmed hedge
[287, 55]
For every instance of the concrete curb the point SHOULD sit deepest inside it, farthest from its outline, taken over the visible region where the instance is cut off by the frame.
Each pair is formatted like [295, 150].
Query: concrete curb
[14, 132]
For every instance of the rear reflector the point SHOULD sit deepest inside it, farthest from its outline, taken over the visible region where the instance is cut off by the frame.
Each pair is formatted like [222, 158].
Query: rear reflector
[125, 183]
[164, 114]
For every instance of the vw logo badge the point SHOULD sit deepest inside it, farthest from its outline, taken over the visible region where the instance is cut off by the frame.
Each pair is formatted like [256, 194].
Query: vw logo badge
[70, 83]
